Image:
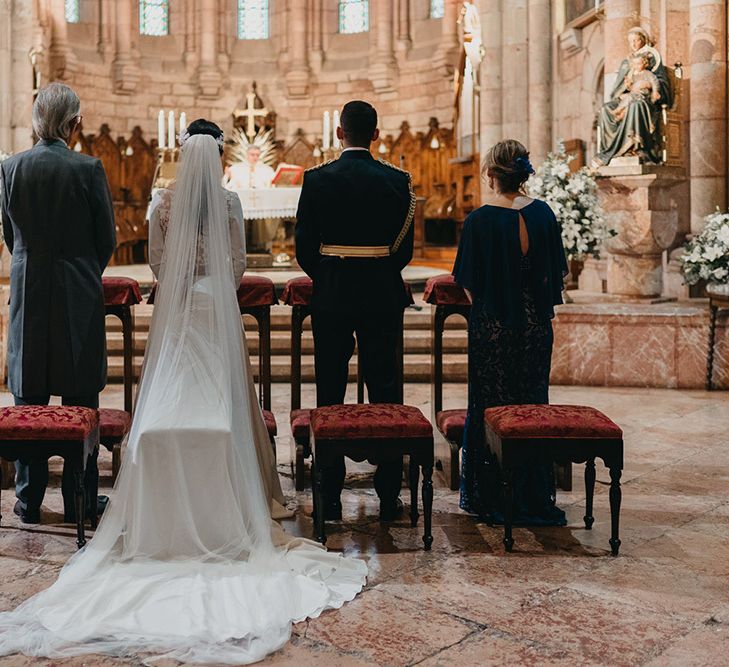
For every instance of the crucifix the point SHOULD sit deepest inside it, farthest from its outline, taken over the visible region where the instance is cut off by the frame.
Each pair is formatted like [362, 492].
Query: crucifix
[250, 113]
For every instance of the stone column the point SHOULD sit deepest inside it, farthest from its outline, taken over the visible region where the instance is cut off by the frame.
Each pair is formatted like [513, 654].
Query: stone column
[404, 40]
[124, 68]
[62, 58]
[6, 73]
[708, 113]
[491, 79]
[515, 82]
[297, 78]
[540, 78]
[446, 57]
[620, 16]
[209, 79]
[316, 53]
[382, 72]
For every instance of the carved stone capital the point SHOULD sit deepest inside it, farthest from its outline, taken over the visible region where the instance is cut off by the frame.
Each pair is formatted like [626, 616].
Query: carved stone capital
[63, 63]
[126, 75]
[209, 82]
[297, 82]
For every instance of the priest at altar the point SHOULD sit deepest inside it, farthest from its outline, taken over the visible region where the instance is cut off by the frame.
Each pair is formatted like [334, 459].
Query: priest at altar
[253, 173]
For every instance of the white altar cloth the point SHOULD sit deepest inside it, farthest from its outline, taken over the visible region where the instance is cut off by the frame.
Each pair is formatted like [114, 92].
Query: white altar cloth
[261, 203]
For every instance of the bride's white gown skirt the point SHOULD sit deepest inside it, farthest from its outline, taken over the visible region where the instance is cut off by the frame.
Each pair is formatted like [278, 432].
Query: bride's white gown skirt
[187, 561]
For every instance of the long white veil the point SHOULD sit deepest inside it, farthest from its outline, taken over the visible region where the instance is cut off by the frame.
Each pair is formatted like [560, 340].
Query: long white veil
[186, 561]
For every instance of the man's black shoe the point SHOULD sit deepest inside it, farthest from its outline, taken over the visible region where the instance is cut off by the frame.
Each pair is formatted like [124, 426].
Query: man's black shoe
[391, 511]
[26, 517]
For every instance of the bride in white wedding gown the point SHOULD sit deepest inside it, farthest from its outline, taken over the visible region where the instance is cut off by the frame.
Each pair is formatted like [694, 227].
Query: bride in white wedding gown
[187, 562]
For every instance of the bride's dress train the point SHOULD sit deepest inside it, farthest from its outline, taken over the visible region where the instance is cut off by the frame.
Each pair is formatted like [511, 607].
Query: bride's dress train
[187, 562]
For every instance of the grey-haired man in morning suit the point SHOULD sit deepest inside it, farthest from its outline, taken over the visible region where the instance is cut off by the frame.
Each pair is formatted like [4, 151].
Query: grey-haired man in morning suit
[58, 221]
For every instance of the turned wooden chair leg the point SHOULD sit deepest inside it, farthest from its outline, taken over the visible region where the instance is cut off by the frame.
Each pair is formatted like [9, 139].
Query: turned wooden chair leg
[428, 506]
[319, 524]
[507, 475]
[589, 492]
[115, 461]
[615, 499]
[299, 469]
[455, 466]
[413, 478]
[80, 504]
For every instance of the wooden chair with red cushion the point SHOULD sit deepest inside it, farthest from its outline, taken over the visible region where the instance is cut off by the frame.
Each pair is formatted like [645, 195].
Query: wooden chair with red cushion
[120, 295]
[375, 432]
[42, 431]
[297, 294]
[565, 433]
[448, 299]
[256, 295]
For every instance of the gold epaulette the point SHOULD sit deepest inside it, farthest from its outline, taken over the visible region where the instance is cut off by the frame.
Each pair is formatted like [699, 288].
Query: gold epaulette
[392, 166]
[319, 166]
[411, 209]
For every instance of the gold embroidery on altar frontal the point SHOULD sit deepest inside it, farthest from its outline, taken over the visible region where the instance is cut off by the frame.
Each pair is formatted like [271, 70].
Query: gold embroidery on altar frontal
[349, 251]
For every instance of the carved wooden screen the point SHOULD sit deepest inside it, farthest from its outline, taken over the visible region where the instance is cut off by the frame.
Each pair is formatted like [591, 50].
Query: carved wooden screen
[299, 152]
[405, 153]
[139, 165]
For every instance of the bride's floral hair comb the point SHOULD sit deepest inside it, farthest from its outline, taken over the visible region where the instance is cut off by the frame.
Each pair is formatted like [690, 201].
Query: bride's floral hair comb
[185, 135]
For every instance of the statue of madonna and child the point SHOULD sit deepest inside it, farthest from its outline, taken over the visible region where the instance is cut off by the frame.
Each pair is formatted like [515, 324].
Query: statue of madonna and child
[628, 124]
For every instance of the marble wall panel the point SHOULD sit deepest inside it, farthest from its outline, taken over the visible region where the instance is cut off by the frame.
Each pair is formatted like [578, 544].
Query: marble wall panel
[640, 345]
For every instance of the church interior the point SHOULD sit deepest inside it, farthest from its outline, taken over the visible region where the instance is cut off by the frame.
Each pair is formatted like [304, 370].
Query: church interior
[643, 335]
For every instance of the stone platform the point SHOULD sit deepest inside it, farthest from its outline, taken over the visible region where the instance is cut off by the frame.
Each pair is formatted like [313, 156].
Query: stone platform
[604, 343]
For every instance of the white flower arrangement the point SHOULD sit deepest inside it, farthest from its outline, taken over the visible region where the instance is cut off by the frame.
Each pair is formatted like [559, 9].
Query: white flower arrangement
[706, 255]
[573, 198]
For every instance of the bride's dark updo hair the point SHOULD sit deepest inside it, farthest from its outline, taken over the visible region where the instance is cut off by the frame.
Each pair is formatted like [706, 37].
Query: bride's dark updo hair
[508, 162]
[202, 126]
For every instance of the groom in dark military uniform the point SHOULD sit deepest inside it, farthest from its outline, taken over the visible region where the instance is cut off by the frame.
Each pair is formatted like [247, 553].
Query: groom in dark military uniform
[354, 236]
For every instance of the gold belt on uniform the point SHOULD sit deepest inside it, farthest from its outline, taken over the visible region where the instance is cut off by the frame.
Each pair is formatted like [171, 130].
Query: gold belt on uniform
[354, 250]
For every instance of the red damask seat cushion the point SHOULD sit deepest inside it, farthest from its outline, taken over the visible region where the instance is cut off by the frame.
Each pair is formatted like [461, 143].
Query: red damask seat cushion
[270, 421]
[256, 291]
[300, 424]
[298, 291]
[451, 423]
[550, 421]
[371, 420]
[121, 291]
[114, 424]
[47, 422]
[443, 291]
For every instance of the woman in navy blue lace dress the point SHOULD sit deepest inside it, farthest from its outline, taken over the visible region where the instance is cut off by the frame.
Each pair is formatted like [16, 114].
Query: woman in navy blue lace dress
[512, 262]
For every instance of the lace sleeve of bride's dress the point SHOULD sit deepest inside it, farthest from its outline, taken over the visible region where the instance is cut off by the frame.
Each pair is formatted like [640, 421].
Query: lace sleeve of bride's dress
[237, 235]
[159, 220]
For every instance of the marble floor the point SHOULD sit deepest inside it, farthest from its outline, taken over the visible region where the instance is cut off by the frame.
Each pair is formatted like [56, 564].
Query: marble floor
[559, 599]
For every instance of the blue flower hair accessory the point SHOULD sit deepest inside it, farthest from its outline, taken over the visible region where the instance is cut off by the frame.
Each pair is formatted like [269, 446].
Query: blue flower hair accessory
[524, 165]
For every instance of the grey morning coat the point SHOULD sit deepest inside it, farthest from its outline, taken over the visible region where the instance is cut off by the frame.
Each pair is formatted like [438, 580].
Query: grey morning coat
[58, 221]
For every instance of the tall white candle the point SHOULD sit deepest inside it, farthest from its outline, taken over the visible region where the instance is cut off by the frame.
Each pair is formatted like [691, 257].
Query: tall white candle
[161, 129]
[183, 122]
[337, 144]
[171, 143]
[326, 132]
